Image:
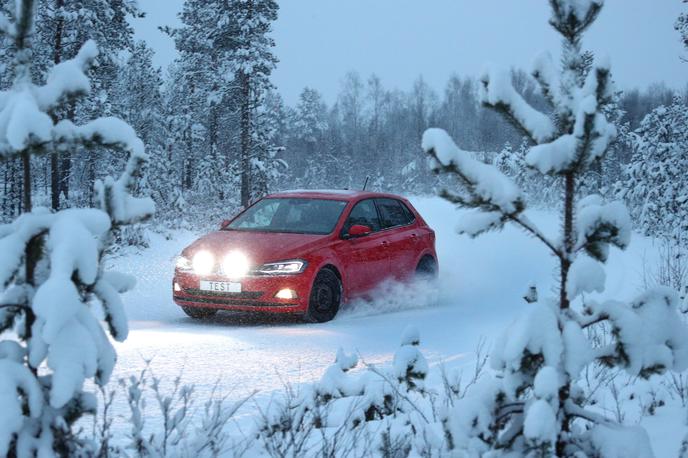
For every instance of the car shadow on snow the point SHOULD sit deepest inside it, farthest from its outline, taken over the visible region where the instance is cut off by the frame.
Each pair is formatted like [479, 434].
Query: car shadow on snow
[245, 319]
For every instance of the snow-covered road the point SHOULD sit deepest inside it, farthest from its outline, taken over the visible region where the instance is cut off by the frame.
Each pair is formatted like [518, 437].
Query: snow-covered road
[481, 284]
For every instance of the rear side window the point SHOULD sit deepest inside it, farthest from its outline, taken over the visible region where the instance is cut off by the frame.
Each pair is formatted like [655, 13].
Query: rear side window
[393, 213]
[363, 213]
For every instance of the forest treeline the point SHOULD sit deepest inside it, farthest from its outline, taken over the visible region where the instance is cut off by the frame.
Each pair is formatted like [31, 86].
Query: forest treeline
[221, 135]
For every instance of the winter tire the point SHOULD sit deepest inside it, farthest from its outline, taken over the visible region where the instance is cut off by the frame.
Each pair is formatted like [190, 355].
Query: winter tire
[325, 298]
[426, 269]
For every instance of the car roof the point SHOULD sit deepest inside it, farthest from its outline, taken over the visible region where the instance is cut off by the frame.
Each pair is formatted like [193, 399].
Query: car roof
[335, 194]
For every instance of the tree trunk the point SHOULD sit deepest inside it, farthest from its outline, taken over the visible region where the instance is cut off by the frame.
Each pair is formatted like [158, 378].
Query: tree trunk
[66, 161]
[212, 138]
[26, 191]
[245, 139]
[54, 156]
[569, 191]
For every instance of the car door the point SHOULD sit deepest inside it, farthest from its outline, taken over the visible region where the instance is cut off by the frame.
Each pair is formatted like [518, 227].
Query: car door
[365, 258]
[400, 229]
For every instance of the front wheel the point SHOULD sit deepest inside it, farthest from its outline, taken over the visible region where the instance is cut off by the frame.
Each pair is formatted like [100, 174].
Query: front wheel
[198, 313]
[326, 295]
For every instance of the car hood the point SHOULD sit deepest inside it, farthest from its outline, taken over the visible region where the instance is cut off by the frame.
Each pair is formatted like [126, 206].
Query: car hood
[259, 247]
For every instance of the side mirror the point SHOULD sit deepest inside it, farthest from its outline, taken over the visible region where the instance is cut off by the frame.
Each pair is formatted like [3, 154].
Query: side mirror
[358, 230]
[224, 223]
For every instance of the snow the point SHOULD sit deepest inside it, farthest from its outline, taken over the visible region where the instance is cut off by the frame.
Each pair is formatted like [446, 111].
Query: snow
[615, 442]
[553, 157]
[67, 78]
[578, 8]
[595, 220]
[474, 222]
[535, 331]
[546, 385]
[540, 423]
[586, 276]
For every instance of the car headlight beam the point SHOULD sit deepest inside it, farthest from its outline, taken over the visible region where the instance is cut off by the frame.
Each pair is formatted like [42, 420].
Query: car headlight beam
[235, 264]
[203, 262]
[294, 266]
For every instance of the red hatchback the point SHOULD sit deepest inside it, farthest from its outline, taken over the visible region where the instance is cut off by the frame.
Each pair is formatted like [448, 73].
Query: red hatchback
[304, 252]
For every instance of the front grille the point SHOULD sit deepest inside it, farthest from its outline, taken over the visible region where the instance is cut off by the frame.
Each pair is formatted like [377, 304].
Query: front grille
[230, 301]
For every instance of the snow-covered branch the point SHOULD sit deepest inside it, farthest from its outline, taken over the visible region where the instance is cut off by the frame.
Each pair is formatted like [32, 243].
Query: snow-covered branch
[496, 91]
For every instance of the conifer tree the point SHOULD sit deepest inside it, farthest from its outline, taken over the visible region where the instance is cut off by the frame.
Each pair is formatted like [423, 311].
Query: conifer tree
[50, 263]
[252, 62]
[535, 405]
[656, 179]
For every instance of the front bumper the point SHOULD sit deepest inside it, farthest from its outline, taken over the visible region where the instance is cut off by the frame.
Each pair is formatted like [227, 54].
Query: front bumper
[257, 293]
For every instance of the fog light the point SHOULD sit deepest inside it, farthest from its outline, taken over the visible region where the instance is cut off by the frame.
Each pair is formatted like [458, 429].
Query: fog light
[286, 294]
[177, 287]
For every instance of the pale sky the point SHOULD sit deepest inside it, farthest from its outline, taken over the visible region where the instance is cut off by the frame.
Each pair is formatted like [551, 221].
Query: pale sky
[318, 41]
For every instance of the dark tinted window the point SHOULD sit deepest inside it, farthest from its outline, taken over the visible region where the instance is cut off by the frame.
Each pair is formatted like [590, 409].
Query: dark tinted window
[303, 216]
[363, 213]
[393, 213]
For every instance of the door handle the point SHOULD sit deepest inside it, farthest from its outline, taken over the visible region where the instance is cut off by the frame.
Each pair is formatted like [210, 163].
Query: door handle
[384, 242]
[413, 235]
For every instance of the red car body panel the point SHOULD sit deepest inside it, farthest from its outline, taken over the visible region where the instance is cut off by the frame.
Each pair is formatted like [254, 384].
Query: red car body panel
[362, 263]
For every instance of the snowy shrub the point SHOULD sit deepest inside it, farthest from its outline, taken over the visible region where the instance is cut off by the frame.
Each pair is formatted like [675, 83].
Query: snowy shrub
[377, 411]
[536, 404]
[165, 420]
[54, 286]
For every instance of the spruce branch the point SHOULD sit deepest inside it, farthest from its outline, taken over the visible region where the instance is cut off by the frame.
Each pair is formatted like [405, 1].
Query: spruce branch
[477, 201]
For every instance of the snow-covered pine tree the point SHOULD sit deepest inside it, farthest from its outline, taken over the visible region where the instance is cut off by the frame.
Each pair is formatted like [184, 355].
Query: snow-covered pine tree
[196, 87]
[311, 119]
[252, 62]
[655, 184]
[535, 406]
[62, 26]
[268, 163]
[143, 110]
[310, 124]
[54, 286]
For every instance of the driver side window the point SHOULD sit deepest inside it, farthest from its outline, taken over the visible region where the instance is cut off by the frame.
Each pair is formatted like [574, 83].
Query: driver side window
[363, 213]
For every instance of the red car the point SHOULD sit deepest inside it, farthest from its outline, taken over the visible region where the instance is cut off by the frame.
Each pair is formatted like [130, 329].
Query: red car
[304, 252]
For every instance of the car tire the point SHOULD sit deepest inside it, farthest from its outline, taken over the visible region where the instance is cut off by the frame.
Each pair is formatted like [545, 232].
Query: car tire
[326, 295]
[198, 313]
[426, 269]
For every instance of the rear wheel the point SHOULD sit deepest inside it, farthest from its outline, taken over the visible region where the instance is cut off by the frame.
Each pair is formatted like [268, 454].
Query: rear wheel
[426, 269]
[325, 298]
[198, 313]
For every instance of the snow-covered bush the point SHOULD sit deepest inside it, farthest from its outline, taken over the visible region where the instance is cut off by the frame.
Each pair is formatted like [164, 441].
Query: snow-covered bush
[54, 288]
[381, 411]
[165, 419]
[535, 405]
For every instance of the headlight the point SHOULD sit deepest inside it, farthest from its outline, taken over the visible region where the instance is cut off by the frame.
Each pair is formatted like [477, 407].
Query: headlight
[235, 265]
[183, 263]
[203, 262]
[283, 268]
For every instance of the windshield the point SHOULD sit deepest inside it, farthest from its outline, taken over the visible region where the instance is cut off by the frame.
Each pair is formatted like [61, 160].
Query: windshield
[301, 216]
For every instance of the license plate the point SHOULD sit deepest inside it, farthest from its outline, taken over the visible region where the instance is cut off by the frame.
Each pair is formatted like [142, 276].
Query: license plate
[220, 286]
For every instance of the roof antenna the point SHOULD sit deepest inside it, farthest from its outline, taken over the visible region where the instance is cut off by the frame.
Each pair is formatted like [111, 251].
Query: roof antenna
[366, 182]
